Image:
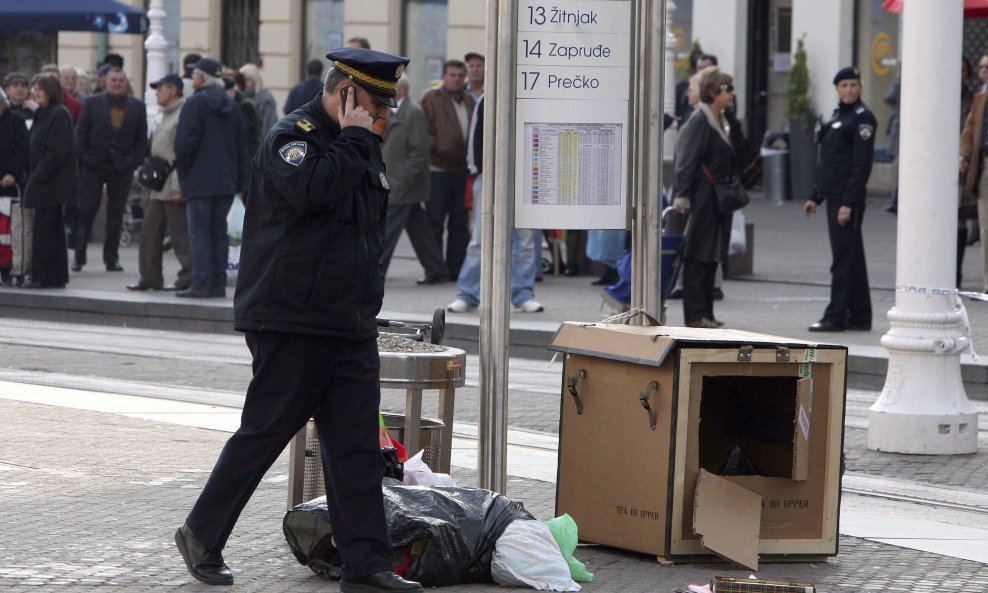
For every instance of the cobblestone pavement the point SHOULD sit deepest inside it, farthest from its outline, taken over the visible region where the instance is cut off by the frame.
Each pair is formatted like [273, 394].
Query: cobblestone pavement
[89, 503]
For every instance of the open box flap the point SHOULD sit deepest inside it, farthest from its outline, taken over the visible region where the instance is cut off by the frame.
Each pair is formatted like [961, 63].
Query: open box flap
[727, 518]
[637, 344]
[801, 437]
[651, 344]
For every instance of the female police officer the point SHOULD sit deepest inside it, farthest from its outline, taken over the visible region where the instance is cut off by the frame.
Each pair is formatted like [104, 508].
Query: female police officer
[847, 144]
[309, 288]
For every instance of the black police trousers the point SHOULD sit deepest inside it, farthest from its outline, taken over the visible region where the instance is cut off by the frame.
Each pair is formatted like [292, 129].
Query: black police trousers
[850, 299]
[297, 377]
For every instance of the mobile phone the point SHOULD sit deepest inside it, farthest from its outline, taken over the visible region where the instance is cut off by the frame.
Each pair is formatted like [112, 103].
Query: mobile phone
[343, 94]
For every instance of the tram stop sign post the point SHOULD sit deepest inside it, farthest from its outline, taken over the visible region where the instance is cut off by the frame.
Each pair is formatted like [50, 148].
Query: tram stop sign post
[572, 90]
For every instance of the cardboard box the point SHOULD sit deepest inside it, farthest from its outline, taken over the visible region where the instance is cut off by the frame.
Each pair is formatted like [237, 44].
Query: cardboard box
[652, 417]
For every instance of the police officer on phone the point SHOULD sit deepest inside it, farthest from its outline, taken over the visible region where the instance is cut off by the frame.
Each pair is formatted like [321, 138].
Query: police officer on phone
[847, 145]
[308, 292]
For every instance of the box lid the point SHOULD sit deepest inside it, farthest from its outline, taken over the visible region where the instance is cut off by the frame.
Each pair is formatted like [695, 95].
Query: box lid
[728, 518]
[651, 344]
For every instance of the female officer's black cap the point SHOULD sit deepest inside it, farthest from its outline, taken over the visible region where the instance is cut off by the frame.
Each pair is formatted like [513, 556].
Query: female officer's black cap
[376, 72]
[848, 73]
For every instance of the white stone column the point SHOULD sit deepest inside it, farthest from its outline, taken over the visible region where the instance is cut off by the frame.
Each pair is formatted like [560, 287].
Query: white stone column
[155, 44]
[923, 408]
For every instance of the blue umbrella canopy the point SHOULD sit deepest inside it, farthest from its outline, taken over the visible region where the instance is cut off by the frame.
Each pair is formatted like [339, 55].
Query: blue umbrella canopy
[107, 16]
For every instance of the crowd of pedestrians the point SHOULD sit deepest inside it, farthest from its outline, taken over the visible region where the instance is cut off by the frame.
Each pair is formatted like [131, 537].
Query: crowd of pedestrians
[73, 144]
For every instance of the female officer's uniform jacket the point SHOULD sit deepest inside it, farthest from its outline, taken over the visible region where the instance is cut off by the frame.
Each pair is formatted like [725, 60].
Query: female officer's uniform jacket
[847, 145]
[311, 247]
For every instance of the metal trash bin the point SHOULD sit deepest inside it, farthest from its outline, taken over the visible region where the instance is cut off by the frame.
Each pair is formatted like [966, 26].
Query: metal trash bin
[306, 482]
[775, 166]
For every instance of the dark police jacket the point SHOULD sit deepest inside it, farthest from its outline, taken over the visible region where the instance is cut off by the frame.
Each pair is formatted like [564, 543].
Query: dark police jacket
[847, 145]
[315, 209]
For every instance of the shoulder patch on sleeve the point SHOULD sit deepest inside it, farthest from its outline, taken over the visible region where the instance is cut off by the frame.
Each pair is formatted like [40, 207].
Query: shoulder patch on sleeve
[293, 152]
[865, 131]
[305, 125]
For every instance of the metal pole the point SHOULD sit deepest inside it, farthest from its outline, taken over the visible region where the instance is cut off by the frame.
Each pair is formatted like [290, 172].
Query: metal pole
[923, 408]
[498, 220]
[646, 165]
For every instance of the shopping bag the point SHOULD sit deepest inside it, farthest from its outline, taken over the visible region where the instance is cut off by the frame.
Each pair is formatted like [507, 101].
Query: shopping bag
[739, 243]
[235, 220]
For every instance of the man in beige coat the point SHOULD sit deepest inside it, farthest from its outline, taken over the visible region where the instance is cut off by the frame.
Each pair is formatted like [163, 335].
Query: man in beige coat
[972, 156]
[165, 210]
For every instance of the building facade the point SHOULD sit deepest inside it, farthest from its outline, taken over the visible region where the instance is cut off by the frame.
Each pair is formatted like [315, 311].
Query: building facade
[753, 40]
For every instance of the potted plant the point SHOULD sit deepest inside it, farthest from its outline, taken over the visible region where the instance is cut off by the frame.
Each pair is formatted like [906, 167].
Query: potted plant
[799, 111]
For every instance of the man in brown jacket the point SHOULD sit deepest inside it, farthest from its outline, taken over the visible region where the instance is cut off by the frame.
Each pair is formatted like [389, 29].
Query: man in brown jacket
[448, 110]
[973, 150]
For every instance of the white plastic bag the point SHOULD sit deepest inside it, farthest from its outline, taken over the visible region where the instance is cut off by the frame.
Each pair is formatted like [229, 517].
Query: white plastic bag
[417, 473]
[235, 220]
[739, 242]
[527, 555]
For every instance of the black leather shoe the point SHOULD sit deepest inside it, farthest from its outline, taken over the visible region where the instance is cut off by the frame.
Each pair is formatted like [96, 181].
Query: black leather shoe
[194, 293]
[139, 286]
[379, 582]
[219, 293]
[859, 327]
[825, 326]
[430, 280]
[718, 294]
[609, 277]
[675, 293]
[204, 565]
[76, 266]
[114, 267]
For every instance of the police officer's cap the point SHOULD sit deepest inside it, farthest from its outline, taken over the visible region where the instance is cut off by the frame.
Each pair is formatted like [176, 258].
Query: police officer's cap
[848, 73]
[376, 72]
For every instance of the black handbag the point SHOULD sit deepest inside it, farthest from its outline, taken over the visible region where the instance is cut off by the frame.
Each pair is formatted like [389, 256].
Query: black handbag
[154, 172]
[731, 196]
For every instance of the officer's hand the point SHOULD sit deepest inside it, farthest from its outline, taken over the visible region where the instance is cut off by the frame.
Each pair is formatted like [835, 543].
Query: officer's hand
[843, 215]
[8, 180]
[809, 207]
[962, 164]
[355, 115]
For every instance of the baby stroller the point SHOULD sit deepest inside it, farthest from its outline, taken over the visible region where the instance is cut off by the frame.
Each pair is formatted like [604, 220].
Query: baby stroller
[618, 295]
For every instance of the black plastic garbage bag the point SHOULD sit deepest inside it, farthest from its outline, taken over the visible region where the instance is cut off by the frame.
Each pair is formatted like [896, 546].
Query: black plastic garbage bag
[444, 535]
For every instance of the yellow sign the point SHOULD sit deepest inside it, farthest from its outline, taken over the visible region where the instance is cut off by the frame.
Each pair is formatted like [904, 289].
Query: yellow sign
[682, 56]
[881, 52]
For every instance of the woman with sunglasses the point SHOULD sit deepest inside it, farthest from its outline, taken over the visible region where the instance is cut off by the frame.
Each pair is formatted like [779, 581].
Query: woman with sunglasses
[703, 157]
